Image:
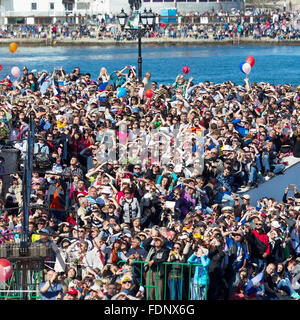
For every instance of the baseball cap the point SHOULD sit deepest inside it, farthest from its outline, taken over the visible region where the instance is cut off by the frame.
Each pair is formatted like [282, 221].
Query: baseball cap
[126, 278]
[72, 291]
[95, 287]
[44, 231]
[275, 224]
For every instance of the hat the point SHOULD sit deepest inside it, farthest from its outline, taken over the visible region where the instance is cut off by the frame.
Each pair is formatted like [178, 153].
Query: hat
[127, 234]
[246, 149]
[72, 291]
[126, 278]
[227, 147]
[202, 224]
[80, 194]
[184, 236]
[227, 209]
[106, 190]
[143, 234]
[65, 240]
[197, 235]
[159, 238]
[95, 287]
[44, 231]
[275, 224]
[239, 232]
[245, 196]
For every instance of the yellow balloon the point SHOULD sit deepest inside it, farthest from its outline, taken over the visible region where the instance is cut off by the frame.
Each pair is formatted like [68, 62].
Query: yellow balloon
[13, 47]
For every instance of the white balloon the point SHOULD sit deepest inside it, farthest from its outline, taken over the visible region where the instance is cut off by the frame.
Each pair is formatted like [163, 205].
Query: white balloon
[15, 71]
[246, 67]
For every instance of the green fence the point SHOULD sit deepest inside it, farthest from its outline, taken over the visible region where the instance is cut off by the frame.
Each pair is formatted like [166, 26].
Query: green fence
[22, 285]
[170, 280]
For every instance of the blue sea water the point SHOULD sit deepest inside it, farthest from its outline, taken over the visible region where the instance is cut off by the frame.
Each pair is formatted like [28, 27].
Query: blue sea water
[274, 64]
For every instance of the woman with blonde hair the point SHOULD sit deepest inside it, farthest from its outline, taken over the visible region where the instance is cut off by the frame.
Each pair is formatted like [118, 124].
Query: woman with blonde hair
[103, 79]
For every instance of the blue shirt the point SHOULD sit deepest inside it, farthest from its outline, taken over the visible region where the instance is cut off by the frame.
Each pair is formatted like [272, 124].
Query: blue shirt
[241, 251]
[52, 292]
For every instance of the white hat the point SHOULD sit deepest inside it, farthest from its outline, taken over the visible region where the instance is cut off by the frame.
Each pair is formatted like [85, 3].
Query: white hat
[246, 196]
[227, 147]
[95, 287]
[275, 224]
[227, 208]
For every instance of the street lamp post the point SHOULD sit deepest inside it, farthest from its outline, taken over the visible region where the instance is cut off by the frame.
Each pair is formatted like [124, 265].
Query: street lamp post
[146, 20]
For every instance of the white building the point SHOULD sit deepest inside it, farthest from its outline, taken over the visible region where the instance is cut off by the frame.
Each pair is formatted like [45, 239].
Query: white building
[49, 11]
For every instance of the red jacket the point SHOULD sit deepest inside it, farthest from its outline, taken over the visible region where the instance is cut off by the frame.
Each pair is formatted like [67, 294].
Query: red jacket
[263, 238]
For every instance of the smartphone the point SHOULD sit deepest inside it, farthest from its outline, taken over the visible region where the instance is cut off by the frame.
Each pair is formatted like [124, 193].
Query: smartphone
[291, 187]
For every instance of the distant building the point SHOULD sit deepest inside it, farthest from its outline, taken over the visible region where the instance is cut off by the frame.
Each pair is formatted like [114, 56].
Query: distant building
[51, 11]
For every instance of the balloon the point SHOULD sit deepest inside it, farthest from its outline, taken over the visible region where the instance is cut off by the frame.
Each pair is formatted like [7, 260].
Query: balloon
[250, 60]
[241, 66]
[5, 269]
[246, 68]
[121, 92]
[141, 93]
[149, 93]
[185, 69]
[15, 71]
[0, 67]
[13, 47]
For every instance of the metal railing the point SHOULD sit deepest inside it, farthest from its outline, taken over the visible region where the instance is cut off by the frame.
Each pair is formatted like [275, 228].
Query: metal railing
[177, 285]
[23, 283]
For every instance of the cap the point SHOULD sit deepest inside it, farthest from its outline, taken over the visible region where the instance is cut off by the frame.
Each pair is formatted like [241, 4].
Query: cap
[65, 240]
[95, 287]
[44, 231]
[159, 238]
[245, 196]
[72, 291]
[126, 278]
[127, 234]
[227, 148]
[275, 224]
[227, 209]
[239, 232]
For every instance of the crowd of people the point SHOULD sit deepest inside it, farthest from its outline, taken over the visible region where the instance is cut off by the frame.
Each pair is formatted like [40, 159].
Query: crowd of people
[135, 185]
[280, 24]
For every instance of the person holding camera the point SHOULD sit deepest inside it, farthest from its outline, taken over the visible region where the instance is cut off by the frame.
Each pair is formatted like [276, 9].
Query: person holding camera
[53, 286]
[237, 257]
[200, 279]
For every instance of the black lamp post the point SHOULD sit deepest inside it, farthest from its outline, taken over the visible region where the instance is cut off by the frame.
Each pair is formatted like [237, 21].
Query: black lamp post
[146, 20]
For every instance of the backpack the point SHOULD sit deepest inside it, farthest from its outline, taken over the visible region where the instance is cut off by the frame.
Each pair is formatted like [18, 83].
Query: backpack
[41, 160]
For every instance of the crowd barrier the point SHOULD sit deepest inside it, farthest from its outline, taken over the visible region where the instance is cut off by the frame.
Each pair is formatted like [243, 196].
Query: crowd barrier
[170, 281]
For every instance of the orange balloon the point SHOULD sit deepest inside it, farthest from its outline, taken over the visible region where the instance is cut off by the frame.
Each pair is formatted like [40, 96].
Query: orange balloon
[13, 47]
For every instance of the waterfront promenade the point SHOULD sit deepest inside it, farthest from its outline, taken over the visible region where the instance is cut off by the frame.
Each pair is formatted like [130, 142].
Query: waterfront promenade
[147, 41]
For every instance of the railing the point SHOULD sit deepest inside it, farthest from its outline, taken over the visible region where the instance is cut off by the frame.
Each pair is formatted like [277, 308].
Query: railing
[176, 285]
[23, 283]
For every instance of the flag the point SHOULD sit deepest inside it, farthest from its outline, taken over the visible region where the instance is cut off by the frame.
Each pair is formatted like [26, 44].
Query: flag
[295, 240]
[253, 284]
[54, 88]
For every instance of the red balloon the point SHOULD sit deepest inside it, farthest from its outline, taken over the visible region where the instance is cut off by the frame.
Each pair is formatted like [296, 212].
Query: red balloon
[250, 60]
[5, 269]
[186, 69]
[149, 93]
[0, 67]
